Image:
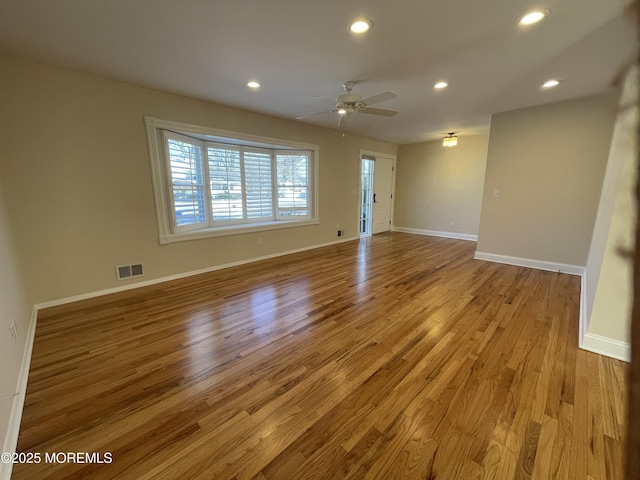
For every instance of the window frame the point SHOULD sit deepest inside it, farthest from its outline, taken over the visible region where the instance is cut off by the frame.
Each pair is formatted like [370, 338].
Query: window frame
[169, 231]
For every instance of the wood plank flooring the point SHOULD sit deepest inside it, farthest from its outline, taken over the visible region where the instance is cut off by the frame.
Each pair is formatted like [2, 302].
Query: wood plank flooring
[394, 357]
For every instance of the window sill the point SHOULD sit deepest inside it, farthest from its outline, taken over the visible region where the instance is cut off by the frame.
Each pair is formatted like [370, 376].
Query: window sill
[234, 230]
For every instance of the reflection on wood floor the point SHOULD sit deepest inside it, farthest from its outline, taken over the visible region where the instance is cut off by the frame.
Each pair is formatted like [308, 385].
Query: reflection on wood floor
[397, 356]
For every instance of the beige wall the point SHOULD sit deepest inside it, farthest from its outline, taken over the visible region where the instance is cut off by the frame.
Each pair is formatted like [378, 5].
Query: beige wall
[548, 164]
[15, 304]
[76, 176]
[609, 275]
[436, 185]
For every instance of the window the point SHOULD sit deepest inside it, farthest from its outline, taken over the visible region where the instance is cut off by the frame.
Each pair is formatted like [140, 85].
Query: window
[293, 184]
[187, 181]
[209, 182]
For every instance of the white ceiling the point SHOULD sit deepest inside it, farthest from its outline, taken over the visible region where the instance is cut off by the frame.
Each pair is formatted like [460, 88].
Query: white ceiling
[298, 49]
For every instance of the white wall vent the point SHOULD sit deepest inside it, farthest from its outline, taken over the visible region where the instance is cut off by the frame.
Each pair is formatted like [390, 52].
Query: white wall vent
[125, 272]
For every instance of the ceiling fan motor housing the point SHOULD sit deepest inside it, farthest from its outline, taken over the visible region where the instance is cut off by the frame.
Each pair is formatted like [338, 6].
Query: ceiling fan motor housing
[349, 98]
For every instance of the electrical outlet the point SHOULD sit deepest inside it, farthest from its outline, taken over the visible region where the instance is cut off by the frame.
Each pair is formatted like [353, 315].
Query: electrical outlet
[340, 233]
[259, 240]
[14, 330]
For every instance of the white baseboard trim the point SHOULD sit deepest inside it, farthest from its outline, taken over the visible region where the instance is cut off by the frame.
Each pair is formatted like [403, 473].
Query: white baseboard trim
[132, 286]
[584, 318]
[13, 429]
[597, 343]
[436, 233]
[606, 346]
[531, 263]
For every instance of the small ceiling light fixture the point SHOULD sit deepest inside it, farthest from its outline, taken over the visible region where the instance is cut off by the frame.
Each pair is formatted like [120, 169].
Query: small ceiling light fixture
[253, 84]
[551, 83]
[451, 140]
[534, 16]
[360, 26]
[441, 85]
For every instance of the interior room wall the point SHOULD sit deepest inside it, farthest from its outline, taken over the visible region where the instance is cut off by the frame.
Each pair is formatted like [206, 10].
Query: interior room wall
[545, 168]
[439, 189]
[78, 188]
[15, 305]
[608, 294]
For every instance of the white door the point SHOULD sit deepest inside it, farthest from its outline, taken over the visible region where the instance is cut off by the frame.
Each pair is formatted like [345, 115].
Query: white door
[382, 189]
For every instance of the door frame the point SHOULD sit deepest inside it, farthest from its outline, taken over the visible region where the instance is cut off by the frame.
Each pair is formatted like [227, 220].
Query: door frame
[377, 155]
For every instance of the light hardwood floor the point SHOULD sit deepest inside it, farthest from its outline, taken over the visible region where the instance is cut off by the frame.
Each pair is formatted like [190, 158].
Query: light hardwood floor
[398, 356]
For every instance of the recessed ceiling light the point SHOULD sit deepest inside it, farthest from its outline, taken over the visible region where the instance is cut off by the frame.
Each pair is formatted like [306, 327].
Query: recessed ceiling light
[360, 26]
[551, 83]
[441, 85]
[533, 16]
[253, 85]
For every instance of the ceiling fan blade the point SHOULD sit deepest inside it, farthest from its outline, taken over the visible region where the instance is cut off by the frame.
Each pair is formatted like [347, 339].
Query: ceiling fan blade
[315, 114]
[379, 111]
[381, 97]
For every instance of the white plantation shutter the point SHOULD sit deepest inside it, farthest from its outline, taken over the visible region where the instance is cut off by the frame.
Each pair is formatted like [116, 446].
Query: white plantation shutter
[225, 174]
[293, 184]
[258, 184]
[187, 180]
[241, 184]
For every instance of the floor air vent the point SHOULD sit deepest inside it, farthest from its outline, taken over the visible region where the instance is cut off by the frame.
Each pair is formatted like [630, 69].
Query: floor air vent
[124, 272]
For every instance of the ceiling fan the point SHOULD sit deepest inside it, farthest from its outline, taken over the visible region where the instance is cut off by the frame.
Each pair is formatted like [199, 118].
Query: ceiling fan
[350, 103]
